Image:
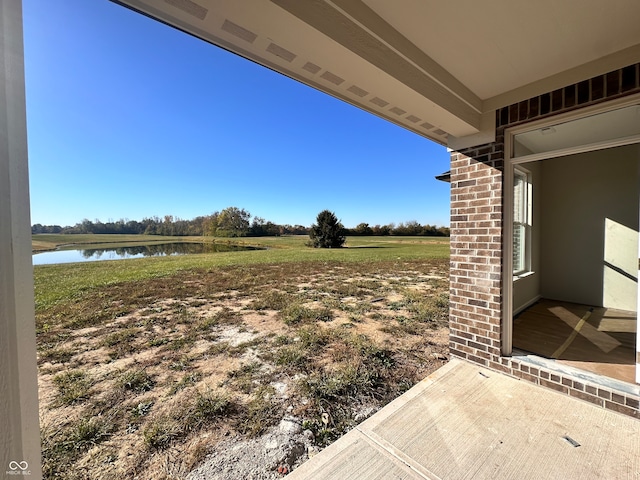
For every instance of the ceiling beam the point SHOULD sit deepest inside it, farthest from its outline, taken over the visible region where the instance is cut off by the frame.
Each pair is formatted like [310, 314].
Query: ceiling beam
[334, 24]
[369, 20]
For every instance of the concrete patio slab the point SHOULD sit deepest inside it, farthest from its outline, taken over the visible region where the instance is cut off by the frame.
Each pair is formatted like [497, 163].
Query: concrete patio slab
[466, 422]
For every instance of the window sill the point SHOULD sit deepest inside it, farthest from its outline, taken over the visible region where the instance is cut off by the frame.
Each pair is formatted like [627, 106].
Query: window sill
[522, 275]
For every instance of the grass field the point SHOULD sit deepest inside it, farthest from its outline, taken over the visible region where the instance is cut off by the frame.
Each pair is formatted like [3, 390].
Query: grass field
[42, 242]
[146, 365]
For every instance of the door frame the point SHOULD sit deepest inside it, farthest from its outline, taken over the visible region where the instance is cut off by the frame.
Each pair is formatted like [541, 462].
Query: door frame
[507, 215]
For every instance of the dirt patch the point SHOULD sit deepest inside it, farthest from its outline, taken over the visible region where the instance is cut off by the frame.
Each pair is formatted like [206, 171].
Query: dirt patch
[235, 372]
[270, 456]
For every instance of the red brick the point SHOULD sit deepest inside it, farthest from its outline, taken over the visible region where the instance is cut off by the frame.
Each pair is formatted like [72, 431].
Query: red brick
[622, 409]
[477, 359]
[554, 386]
[606, 394]
[617, 398]
[586, 397]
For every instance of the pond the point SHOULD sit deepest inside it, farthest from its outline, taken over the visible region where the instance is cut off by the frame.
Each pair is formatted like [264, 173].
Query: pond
[137, 251]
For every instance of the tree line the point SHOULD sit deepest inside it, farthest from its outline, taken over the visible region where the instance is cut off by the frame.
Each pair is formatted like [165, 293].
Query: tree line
[229, 222]
[411, 228]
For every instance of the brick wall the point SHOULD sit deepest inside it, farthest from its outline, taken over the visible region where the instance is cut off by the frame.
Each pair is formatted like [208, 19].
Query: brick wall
[476, 241]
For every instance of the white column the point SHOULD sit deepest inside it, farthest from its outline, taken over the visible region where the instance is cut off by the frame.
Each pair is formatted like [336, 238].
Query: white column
[19, 426]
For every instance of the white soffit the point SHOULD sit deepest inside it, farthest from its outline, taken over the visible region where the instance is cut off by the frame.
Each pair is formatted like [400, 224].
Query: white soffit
[498, 46]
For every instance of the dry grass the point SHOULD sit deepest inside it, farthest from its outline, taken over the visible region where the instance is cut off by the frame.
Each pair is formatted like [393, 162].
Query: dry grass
[141, 379]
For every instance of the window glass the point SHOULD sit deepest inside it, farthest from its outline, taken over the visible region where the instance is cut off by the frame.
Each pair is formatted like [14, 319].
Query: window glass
[521, 221]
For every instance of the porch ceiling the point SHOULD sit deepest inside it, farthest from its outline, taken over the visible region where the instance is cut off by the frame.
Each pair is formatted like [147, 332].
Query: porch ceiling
[439, 69]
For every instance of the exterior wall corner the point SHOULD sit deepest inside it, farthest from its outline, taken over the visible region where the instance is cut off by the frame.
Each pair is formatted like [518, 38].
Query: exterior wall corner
[477, 300]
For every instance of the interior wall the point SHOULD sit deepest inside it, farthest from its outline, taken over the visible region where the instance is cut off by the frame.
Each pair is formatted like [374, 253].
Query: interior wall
[590, 210]
[526, 290]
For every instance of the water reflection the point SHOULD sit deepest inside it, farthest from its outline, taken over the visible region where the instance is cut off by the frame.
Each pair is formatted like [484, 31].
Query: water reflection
[137, 251]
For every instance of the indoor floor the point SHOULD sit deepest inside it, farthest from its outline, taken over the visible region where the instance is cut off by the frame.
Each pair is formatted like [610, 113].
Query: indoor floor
[595, 339]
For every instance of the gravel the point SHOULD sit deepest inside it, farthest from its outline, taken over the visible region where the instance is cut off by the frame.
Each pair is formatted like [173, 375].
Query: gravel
[270, 456]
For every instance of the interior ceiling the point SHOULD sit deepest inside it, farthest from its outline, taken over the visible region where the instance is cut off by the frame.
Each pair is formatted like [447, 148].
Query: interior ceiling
[439, 69]
[615, 124]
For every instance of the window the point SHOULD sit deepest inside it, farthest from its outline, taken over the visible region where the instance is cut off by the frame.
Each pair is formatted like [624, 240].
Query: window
[521, 221]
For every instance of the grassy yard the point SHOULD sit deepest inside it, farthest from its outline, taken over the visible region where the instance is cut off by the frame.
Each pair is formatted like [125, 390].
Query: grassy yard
[146, 365]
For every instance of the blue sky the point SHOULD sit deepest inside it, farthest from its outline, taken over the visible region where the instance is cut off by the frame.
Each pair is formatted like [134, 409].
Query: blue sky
[128, 118]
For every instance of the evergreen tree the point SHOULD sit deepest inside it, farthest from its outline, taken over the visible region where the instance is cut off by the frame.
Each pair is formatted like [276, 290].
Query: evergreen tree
[328, 232]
